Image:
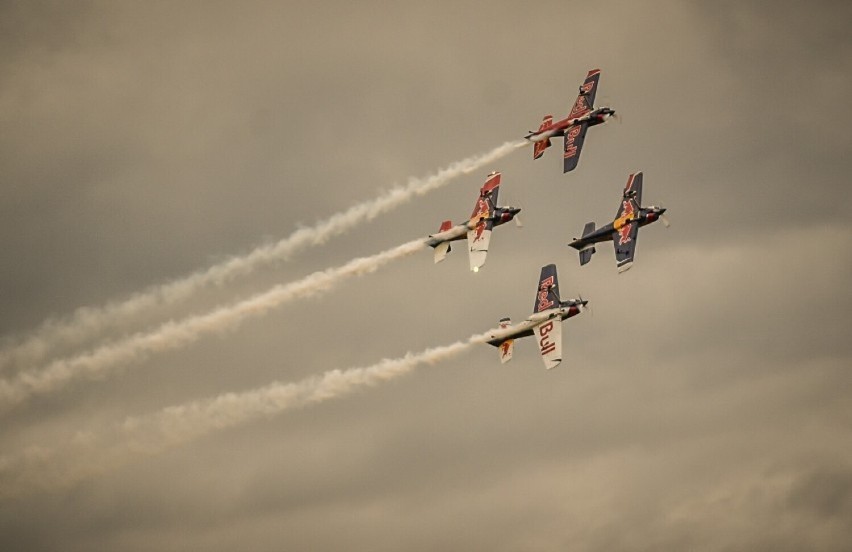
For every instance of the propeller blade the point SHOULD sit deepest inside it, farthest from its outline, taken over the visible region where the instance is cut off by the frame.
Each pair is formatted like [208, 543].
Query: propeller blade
[665, 221]
[518, 222]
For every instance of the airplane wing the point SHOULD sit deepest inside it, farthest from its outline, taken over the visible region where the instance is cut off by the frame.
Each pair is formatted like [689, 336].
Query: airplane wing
[586, 99]
[624, 241]
[549, 336]
[547, 294]
[633, 188]
[482, 221]
[478, 239]
[625, 227]
[574, 137]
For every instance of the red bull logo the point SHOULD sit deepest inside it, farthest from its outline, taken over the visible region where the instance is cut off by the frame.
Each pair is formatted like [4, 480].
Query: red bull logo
[581, 107]
[570, 148]
[505, 349]
[622, 223]
[481, 211]
[544, 301]
[546, 345]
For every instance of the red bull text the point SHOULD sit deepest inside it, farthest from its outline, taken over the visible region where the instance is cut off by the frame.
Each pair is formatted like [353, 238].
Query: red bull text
[544, 301]
[546, 345]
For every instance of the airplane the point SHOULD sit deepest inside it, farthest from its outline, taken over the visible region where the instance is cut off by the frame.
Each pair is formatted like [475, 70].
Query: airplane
[624, 230]
[486, 215]
[582, 116]
[545, 323]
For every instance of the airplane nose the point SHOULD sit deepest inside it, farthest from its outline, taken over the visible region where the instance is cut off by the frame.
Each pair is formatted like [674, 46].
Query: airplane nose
[661, 210]
[515, 210]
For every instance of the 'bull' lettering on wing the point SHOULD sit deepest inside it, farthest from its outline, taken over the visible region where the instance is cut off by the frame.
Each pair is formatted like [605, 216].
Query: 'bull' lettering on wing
[545, 344]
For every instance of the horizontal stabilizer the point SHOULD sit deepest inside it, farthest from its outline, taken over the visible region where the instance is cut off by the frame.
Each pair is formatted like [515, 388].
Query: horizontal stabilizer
[588, 228]
[539, 147]
[506, 349]
[586, 254]
[441, 251]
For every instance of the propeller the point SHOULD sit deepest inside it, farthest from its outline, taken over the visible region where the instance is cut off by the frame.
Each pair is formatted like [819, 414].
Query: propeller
[606, 101]
[585, 307]
[517, 219]
[663, 218]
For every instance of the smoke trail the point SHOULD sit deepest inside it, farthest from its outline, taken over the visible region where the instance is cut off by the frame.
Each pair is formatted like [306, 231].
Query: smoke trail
[172, 335]
[88, 322]
[174, 426]
[177, 425]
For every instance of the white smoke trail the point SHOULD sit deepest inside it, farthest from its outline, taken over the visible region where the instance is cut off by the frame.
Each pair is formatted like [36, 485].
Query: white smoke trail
[174, 426]
[88, 322]
[177, 425]
[172, 335]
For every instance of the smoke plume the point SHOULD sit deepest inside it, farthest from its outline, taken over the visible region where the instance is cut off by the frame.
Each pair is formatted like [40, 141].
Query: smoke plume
[88, 322]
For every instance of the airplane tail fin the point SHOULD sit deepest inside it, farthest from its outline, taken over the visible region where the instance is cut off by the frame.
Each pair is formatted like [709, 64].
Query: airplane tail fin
[586, 254]
[587, 251]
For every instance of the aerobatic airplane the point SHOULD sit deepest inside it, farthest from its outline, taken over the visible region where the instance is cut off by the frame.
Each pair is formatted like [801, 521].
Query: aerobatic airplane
[583, 115]
[545, 323]
[624, 230]
[486, 215]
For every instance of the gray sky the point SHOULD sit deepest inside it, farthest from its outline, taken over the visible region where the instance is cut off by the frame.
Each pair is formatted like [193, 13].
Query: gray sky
[702, 405]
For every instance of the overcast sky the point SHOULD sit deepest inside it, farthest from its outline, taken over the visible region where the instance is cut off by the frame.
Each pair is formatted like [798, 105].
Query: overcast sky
[703, 404]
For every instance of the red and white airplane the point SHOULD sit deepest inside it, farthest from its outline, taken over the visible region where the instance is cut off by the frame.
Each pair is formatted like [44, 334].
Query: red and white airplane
[573, 128]
[545, 323]
[486, 215]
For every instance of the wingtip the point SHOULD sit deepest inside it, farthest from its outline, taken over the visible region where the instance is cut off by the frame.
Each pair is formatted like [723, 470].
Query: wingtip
[554, 364]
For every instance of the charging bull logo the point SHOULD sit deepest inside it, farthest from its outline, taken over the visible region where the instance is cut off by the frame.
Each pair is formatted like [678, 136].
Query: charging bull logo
[622, 223]
[544, 301]
[505, 349]
[480, 212]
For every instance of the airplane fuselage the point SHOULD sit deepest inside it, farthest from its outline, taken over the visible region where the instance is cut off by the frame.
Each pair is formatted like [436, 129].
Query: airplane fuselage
[644, 217]
[502, 215]
[558, 128]
[527, 327]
